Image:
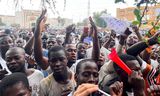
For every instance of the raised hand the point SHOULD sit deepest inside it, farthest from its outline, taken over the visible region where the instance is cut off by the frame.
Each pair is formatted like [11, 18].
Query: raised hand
[92, 23]
[70, 28]
[40, 23]
[116, 89]
[112, 35]
[123, 37]
[85, 90]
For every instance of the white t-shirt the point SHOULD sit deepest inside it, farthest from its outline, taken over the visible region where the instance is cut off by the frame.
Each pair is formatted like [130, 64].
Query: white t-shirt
[3, 64]
[154, 63]
[34, 81]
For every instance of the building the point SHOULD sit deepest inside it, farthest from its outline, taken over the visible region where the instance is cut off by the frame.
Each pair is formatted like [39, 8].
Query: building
[56, 23]
[27, 19]
[128, 13]
[7, 20]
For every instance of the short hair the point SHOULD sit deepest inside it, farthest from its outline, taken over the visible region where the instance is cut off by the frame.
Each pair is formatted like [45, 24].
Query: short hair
[17, 48]
[80, 63]
[79, 44]
[11, 80]
[54, 49]
[124, 58]
[7, 31]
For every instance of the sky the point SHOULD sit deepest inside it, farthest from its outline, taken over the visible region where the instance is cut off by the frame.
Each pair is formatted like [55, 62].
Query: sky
[75, 9]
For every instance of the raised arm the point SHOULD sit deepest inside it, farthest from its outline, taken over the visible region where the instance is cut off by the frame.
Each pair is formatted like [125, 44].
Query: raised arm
[140, 46]
[122, 40]
[111, 37]
[40, 25]
[96, 46]
[28, 47]
[136, 30]
[69, 29]
[145, 55]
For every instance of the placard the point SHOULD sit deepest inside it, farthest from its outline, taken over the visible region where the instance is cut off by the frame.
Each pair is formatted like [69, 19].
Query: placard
[119, 26]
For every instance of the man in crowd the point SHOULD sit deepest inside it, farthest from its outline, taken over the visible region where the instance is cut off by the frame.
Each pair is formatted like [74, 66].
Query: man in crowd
[15, 60]
[40, 59]
[130, 82]
[61, 81]
[71, 54]
[5, 43]
[86, 72]
[81, 51]
[15, 84]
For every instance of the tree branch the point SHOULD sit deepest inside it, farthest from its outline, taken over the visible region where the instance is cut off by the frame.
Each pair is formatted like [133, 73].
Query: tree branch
[145, 10]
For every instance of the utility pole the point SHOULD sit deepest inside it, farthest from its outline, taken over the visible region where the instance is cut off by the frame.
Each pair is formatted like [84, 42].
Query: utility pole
[88, 8]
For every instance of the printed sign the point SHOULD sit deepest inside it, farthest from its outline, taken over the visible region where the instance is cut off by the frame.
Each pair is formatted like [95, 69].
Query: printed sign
[119, 26]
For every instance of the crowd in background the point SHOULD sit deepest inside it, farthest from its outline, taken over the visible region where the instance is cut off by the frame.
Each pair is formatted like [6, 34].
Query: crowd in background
[74, 62]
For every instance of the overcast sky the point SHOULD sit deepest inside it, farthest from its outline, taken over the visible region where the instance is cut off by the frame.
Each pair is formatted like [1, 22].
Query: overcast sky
[75, 9]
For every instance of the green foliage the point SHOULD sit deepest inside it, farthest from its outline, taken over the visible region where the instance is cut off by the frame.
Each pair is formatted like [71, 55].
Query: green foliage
[15, 25]
[156, 27]
[98, 21]
[2, 24]
[85, 22]
[135, 22]
[158, 17]
[118, 1]
[61, 21]
[152, 23]
[137, 13]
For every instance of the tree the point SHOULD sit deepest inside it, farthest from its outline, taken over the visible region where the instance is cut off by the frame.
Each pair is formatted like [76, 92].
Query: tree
[99, 22]
[142, 13]
[1, 23]
[61, 21]
[49, 3]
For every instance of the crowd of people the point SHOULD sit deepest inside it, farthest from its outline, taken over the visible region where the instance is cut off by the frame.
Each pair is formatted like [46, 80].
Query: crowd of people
[73, 63]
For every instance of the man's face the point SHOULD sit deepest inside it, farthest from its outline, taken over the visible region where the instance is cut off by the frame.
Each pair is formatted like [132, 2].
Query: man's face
[71, 52]
[5, 43]
[51, 42]
[17, 90]
[15, 60]
[81, 51]
[132, 39]
[101, 60]
[20, 43]
[88, 73]
[58, 62]
[59, 42]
